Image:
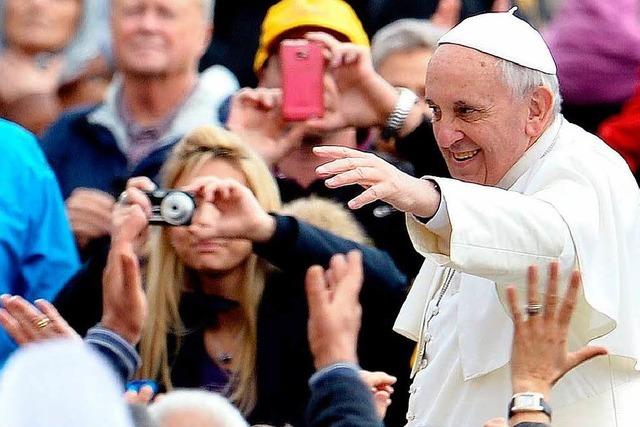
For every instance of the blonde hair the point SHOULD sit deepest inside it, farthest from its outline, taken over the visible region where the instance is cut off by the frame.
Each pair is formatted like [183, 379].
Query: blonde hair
[327, 215]
[166, 273]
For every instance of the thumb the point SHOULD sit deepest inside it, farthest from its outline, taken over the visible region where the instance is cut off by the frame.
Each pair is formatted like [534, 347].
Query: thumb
[586, 353]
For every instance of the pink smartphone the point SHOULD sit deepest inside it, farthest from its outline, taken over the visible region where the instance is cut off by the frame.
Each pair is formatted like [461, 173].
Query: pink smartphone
[302, 67]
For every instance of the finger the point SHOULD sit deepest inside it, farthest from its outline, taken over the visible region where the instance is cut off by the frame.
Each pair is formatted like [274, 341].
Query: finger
[512, 299]
[337, 269]
[379, 379]
[551, 299]
[327, 40]
[370, 195]
[13, 327]
[26, 315]
[569, 303]
[532, 285]
[363, 176]
[580, 356]
[91, 197]
[135, 196]
[496, 422]
[141, 183]
[59, 326]
[337, 152]
[342, 165]
[145, 394]
[354, 275]
[131, 397]
[316, 287]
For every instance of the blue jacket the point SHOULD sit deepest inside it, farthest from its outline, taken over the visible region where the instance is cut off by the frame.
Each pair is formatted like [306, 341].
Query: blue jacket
[84, 154]
[37, 251]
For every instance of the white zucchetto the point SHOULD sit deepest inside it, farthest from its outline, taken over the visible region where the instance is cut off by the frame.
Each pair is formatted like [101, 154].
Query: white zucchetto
[503, 35]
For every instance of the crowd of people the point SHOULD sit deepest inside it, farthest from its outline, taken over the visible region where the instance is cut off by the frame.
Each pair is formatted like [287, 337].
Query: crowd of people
[361, 267]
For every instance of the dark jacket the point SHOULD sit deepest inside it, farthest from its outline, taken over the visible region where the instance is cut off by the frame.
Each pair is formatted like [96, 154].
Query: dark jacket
[284, 362]
[340, 399]
[83, 154]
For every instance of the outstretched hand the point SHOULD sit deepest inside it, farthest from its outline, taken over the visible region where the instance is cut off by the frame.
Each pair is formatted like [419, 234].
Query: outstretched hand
[381, 181]
[540, 354]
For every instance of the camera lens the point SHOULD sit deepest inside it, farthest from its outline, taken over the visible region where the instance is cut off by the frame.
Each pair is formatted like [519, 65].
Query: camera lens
[177, 208]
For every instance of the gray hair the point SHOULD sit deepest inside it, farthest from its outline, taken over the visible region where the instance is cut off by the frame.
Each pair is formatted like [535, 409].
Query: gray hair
[218, 411]
[404, 35]
[522, 80]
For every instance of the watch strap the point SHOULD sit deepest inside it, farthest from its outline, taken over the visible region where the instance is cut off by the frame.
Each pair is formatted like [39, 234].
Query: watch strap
[405, 103]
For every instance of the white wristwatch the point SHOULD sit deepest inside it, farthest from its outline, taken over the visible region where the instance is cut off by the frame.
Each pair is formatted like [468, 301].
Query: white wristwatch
[528, 402]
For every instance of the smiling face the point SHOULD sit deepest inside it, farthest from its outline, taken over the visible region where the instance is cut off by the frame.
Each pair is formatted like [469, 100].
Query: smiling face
[216, 256]
[480, 126]
[158, 37]
[36, 26]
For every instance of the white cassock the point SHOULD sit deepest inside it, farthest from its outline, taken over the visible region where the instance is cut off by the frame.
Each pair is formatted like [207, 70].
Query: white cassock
[569, 198]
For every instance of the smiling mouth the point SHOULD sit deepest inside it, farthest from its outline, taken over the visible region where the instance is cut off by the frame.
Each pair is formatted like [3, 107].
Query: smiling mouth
[465, 155]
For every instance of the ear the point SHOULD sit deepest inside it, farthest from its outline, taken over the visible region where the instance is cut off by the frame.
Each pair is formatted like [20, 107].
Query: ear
[540, 111]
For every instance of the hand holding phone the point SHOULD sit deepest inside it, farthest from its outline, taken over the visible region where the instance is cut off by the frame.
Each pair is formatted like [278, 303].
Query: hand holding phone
[302, 65]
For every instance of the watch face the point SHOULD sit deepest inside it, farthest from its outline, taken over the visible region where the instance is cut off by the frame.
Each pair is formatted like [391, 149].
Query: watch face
[527, 402]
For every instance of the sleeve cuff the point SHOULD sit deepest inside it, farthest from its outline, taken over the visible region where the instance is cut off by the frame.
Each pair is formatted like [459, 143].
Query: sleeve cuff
[112, 345]
[349, 368]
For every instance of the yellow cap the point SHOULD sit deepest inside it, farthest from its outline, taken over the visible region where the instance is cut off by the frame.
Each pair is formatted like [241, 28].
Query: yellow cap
[286, 15]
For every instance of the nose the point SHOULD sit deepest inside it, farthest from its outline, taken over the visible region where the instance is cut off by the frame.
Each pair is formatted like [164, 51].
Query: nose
[446, 134]
[204, 215]
[149, 21]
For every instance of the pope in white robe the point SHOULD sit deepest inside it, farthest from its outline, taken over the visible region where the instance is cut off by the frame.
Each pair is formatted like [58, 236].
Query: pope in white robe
[549, 192]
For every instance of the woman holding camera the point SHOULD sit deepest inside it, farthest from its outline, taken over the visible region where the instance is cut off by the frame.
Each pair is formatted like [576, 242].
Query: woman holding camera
[220, 315]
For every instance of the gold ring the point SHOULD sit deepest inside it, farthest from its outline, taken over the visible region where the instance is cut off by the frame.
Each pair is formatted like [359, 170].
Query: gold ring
[43, 323]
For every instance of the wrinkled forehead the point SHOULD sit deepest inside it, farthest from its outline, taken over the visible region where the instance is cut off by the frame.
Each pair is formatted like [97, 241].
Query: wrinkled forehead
[454, 68]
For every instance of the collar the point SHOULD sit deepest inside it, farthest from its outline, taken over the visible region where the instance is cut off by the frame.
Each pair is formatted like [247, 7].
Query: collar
[539, 149]
[198, 109]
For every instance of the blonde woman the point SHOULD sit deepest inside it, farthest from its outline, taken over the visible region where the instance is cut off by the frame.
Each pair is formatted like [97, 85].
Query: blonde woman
[226, 303]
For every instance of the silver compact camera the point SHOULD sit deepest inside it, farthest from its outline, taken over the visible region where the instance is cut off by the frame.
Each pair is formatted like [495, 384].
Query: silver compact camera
[171, 207]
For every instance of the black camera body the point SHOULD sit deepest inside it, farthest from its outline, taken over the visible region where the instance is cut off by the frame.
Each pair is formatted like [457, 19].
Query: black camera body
[171, 207]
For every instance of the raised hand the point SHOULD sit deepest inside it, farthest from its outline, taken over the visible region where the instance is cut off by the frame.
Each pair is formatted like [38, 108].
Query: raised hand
[334, 309]
[380, 179]
[124, 301]
[540, 354]
[256, 115]
[237, 213]
[365, 98]
[27, 323]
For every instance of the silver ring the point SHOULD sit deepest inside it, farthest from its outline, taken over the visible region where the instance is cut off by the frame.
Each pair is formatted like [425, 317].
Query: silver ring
[533, 309]
[123, 199]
